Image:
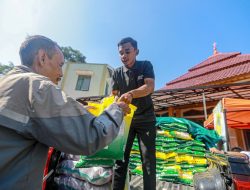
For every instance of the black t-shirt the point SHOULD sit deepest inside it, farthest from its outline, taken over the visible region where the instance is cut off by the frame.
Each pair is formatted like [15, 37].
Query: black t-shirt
[125, 80]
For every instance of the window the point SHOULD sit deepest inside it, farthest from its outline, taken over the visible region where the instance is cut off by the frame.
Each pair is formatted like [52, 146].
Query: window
[83, 82]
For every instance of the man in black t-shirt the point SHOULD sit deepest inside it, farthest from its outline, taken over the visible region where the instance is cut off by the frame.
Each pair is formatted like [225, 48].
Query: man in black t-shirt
[134, 83]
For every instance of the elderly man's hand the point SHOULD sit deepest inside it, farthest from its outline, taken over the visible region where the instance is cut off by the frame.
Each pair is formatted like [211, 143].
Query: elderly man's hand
[124, 106]
[90, 108]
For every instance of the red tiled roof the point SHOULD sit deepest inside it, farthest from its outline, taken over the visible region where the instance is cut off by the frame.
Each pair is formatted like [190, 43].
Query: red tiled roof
[214, 59]
[218, 67]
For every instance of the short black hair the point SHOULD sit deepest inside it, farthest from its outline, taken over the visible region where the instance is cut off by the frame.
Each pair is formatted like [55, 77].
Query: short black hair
[32, 44]
[127, 40]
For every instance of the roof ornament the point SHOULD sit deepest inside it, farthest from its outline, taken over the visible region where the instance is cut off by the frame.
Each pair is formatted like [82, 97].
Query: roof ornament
[215, 52]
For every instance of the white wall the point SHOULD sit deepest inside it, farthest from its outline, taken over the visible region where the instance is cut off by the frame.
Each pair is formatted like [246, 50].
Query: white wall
[97, 82]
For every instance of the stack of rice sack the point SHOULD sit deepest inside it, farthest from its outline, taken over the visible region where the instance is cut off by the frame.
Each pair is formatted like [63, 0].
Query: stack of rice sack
[68, 176]
[178, 155]
[104, 158]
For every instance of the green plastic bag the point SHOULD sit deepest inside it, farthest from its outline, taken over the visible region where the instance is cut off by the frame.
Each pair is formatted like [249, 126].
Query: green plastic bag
[116, 149]
[85, 163]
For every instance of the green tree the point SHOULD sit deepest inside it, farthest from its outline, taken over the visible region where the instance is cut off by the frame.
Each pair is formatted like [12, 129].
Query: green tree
[73, 55]
[6, 68]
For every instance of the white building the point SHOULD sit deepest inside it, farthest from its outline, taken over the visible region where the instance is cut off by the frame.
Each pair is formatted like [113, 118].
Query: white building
[86, 79]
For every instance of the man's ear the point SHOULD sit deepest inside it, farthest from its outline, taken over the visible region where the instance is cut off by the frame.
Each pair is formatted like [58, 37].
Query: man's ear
[41, 56]
[137, 51]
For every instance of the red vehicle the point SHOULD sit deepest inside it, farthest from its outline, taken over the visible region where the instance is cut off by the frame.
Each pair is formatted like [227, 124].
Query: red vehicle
[240, 170]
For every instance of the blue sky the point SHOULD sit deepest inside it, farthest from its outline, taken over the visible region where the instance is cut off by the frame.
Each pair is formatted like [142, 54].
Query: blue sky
[173, 34]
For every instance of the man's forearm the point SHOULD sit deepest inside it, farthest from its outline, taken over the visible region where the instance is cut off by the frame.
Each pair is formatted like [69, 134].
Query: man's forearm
[142, 91]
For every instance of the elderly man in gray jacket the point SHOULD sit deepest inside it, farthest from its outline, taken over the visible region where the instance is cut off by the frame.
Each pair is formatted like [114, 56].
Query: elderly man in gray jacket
[35, 115]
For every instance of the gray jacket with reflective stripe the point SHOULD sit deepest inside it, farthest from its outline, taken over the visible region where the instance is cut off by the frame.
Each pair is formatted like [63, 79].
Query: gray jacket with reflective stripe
[34, 115]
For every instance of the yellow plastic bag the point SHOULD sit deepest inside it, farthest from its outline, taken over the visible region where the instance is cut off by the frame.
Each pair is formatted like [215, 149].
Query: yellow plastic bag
[98, 108]
[116, 149]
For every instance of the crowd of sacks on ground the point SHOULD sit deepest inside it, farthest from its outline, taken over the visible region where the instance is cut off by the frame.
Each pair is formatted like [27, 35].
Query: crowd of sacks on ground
[181, 147]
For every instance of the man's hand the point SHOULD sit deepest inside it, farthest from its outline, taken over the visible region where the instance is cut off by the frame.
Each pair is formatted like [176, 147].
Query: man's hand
[90, 108]
[124, 106]
[127, 98]
[215, 150]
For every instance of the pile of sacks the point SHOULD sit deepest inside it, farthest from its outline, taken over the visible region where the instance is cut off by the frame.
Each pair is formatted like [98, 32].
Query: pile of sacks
[178, 154]
[69, 176]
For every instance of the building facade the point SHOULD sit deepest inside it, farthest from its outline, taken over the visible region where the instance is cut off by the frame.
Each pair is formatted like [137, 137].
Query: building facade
[86, 79]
